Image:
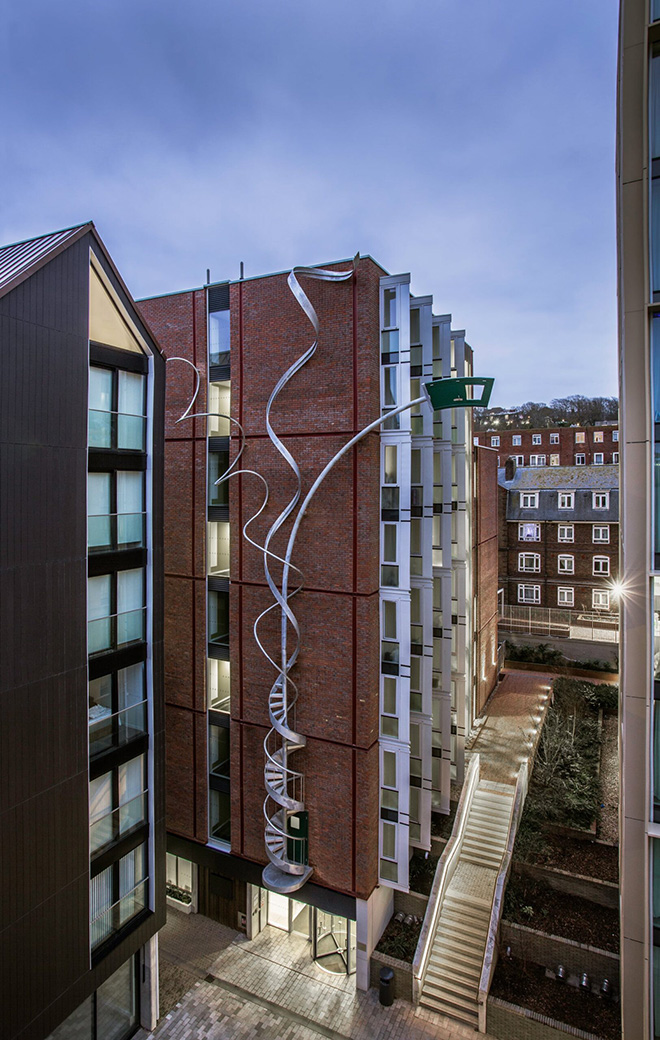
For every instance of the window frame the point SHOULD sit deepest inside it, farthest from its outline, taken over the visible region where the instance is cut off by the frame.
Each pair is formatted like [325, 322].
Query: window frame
[597, 594]
[536, 589]
[596, 496]
[567, 591]
[567, 537]
[569, 497]
[601, 566]
[537, 532]
[533, 495]
[534, 559]
[600, 527]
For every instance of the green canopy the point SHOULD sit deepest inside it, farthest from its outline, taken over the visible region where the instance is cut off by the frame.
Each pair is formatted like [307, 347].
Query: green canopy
[459, 392]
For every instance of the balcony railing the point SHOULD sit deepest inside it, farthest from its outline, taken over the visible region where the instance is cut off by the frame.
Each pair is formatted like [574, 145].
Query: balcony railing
[112, 730]
[107, 829]
[112, 919]
[108, 531]
[117, 630]
[116, 430]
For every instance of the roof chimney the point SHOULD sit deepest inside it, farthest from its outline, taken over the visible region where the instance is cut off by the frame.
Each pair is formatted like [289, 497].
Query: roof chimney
[510, 468]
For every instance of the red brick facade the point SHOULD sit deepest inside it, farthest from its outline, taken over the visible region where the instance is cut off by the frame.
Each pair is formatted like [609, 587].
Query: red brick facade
[333, 397]
[484, 562]
[566, 442]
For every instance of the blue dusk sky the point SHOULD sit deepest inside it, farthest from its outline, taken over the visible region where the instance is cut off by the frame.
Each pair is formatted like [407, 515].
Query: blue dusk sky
[471, 144]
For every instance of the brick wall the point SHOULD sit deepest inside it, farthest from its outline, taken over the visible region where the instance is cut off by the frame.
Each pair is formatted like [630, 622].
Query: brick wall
[528, 944]
[508, 1022]
[485, 574]
[334, 396]
[567, 448]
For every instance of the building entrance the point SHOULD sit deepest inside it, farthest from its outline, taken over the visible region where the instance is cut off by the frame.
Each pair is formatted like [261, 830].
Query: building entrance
[331, 937]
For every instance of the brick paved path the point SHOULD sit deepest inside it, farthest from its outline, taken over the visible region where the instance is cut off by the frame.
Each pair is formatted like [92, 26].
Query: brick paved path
[270, 988]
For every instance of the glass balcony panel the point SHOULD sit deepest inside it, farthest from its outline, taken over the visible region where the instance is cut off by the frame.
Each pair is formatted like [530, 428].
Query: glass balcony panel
[112, 919]
[99, 532]
[416, 565]
[389, 727]
[218, 685]
[101, 428]
[107, 829]
[130, 627]
[389, 652]
[219, 403]
[130, 530]
[389, 343]
[389, 308]
[220, 816]
[131, 431]
[219, 335]
[99, 635]
[219, 751]
[107, 729]
[218, 464]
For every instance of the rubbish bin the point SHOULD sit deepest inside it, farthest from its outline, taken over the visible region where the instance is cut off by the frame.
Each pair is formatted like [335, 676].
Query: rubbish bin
[386, 990]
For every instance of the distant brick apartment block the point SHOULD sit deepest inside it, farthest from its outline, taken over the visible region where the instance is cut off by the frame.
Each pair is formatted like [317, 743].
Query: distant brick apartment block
[559, 536]
[389, 681]
[557, 446]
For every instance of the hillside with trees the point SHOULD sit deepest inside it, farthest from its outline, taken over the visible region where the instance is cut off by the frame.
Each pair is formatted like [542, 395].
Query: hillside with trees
[575, 410]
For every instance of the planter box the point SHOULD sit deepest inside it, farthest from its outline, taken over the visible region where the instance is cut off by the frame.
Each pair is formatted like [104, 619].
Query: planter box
[510, 1022]
[604, 893]
[528, 944]
[410, 903]
[402, 974]
[183, 908]
[560, 669]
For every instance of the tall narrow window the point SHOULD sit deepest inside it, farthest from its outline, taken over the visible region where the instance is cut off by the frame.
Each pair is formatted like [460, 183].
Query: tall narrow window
[654, 144]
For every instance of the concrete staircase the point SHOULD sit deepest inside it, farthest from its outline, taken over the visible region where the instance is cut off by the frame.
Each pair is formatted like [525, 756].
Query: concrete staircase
[451, 981]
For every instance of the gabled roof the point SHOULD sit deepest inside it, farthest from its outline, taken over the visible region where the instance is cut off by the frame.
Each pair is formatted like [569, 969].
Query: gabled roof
[21, 259]
[561, 478]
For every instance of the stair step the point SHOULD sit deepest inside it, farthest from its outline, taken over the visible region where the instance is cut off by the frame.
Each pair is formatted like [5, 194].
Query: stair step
[440, 987]
[481, 861]
[442, 960]
[455, 971]
[488, 838]
[467, 902]
[453, 913]
[469, 945]
[475, 844]
[454, 924]
[489, 813]
[452, 1009]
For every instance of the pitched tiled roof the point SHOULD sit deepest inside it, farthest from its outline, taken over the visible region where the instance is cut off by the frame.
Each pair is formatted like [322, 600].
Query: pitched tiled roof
[22, 259]
[561, 478]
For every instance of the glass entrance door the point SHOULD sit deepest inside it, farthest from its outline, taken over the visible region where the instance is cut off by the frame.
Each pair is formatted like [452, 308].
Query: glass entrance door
[333, 943]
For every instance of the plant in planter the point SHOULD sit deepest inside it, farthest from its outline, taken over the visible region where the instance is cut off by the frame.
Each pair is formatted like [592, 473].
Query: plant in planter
[180, 894]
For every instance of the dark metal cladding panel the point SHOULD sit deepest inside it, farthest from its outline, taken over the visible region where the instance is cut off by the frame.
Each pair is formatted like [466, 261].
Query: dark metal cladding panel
[43, 719]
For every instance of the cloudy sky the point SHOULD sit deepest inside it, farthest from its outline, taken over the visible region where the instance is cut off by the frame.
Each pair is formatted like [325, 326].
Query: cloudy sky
[471, 144]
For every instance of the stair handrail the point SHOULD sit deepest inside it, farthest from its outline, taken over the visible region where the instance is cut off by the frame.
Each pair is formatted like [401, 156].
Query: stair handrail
[443, 875]
[490, 953]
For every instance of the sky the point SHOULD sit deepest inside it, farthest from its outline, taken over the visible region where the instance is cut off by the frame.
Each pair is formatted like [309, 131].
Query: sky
[471, 144]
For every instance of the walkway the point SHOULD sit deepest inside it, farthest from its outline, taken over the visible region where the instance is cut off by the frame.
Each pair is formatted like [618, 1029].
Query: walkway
[512, 727]
[270, 988]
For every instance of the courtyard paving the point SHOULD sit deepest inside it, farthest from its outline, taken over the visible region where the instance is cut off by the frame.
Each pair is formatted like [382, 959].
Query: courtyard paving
[269, 987]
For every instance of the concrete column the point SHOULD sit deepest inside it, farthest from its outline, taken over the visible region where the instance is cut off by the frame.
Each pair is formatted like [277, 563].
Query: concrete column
[372, 916]
[149, 984]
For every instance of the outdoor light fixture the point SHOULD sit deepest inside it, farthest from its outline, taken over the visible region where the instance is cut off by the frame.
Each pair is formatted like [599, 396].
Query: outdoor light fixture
[458, 392]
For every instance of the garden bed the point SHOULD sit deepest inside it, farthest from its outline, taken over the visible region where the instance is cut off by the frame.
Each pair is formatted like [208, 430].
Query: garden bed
[535, 904]
[422, 872]
[400, 940]
[590, 858]
[527, 986]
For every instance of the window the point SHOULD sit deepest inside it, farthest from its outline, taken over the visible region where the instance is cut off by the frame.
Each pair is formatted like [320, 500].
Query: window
[218, 685]
[529, 593]
[218, 617]
[117, 409]
[537, 460]
[599, 458]
[117, 708]
[529, 499]
[580, 460]
[390, 394]
[115, 510]
[536, 438]
[529, 532]
[565, 564]
[554, 460]
[529, 562]
[519, 459]
[389, 719]
[117, 894]
[111, 1013]
[600, 534]
[218, 466]
[494, 442]
[390, 464]
[579, 437]
[601, 565]
[565, 597]
[566, 500]
[389, 651]
[598, 437]
[115, 610]
[600, 599]
[600, 500]
[516, 440]
[615, 458]
[220, 816]
[565, 533]
[615, 436]
[219, 408]
[554, 438]
[219, 336]
[219, 751]
[389, 571]
[217, 549]
[117, 803]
